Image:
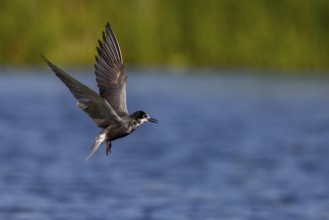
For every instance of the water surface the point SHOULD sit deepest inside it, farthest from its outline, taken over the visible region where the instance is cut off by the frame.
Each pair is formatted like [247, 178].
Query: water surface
[226, 147]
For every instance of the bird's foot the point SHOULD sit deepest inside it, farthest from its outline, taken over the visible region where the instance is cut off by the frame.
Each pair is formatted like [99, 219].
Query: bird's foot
[108, 147]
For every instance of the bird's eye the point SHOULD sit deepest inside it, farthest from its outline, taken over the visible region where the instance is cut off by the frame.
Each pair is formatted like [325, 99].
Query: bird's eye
[144, 116]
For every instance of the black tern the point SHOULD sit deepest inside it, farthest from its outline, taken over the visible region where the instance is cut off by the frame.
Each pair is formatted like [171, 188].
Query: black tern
[107, 109]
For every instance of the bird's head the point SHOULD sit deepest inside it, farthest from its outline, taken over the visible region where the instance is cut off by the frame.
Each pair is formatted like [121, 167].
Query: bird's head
[141, 117]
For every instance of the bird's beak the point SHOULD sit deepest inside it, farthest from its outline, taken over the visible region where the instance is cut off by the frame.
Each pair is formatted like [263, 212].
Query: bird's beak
[153, 120]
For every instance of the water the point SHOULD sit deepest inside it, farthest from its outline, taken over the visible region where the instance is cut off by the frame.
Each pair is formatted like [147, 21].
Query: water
[225, 148]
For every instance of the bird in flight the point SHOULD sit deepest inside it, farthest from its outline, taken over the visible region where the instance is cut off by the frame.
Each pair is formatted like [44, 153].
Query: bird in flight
[107, 109]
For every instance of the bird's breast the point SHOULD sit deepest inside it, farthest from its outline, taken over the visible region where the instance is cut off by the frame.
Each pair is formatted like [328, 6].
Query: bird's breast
[118, 131]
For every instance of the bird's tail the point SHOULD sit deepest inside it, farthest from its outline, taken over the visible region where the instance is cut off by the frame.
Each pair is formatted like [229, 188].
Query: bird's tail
[100, 139]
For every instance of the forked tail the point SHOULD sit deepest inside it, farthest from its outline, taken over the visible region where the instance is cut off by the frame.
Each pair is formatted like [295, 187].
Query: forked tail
[100, 139]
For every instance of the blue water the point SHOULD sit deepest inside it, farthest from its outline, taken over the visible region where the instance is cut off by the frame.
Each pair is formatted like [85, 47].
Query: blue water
[227, 147]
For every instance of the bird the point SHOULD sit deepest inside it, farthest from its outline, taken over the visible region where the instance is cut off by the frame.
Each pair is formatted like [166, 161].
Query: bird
[108, 108]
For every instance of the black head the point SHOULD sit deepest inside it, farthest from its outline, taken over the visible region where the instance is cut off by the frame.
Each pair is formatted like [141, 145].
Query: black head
[142, 117]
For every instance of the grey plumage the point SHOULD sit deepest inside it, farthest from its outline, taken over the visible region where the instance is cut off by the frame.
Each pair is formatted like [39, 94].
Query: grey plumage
[109, 71]
[107, 109]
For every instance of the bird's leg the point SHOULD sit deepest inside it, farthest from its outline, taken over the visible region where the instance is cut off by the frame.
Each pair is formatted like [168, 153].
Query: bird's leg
[108, 147]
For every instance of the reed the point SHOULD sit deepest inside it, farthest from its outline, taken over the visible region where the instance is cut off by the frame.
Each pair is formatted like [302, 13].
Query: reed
[263, 34]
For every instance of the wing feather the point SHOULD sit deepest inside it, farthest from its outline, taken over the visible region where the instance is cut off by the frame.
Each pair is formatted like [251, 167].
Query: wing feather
[109, 70]
[89, 101]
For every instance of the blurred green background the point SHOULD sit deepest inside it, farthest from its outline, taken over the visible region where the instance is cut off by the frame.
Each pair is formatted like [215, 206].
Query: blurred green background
[256, 34]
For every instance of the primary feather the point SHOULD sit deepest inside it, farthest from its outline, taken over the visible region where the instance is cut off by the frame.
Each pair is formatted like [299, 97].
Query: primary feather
[89, 101]
[110, 76]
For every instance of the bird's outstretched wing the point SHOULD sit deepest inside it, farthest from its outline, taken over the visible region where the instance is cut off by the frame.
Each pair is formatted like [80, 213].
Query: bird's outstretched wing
[88, 100]
[110, 76]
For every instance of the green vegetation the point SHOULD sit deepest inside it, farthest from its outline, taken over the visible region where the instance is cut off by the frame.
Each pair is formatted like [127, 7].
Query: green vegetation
[265, 34]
